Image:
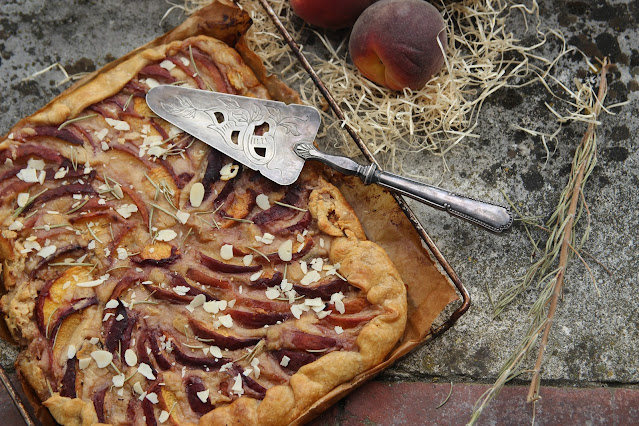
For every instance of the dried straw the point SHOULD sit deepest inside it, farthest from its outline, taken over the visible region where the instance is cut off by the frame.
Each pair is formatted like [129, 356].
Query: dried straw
[482, 57]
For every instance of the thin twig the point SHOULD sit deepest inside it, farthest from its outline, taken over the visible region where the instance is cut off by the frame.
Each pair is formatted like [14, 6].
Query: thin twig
[533, 390]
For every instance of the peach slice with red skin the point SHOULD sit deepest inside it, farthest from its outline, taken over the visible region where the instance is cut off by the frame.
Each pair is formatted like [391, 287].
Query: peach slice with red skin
[396, 43]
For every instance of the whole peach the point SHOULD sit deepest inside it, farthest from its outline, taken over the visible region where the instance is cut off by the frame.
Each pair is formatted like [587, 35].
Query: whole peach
[394, 43]
[330, 13]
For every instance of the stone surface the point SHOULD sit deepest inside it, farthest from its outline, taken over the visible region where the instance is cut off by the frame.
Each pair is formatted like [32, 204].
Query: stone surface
[593, 340]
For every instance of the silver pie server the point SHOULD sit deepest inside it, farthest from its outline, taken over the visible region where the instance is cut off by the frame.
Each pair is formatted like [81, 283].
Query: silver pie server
[276, 139]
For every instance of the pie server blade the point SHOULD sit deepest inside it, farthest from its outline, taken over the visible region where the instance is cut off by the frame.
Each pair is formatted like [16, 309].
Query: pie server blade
[276, 139]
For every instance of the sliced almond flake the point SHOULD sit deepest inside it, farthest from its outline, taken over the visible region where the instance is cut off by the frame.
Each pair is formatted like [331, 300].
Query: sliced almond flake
[125, 210]
[156, 151]
[314, 302]
[323, 314]
[216, 351]
[146, 371]
[61, 173]
[118, 124]
[16, 226]
[120, 317]
[93, 283]
[285, 285]
[153, 140]
[291, 296]
[226, 320]
[102, 358]
[101, 134]
[153, 397]
[182, 290]
[303, 266]
[117, 191]
[285, 360]
[268, 238]
[285, 251]
[174, 131]
[137, 388]
[151, 82]
[111, 304]
[212, 307]
[164, 415]
[203, 395]
[237, 386]
[318, 308]
[22, 199]
[94, 340]
[183, 217]
[91, 245]
[299, 238]
[297, 311]
[28, 175]
[272, 293]
[197, 194]
[338, 329]
[262, 202]
[118, 380]
[317, 264]
[336, 299]
[84, 363]
[107, 316]
[122, 253]
[166, 235]
[196, 302]
[321, 242]
[104, 146]
[36, 164]
[226, 252]
[247, 260]
[310, 277]
[256, 276]
[87, 168]
[71, 351]
[130, 357]
[167, 65]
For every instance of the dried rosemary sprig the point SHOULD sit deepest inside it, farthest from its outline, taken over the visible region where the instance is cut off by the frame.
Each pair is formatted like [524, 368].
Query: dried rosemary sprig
[549, 271]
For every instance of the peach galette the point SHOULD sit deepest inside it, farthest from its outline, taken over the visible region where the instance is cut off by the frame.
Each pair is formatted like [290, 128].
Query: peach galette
[152, 280]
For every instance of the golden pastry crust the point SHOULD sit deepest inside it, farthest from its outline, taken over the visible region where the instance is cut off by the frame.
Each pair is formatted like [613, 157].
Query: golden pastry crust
[125, 294]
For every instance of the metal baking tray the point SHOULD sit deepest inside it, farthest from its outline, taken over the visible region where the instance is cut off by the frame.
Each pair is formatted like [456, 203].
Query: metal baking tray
[17, 396]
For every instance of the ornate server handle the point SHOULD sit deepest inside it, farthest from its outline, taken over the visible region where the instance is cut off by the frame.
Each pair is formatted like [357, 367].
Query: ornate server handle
[493, 217]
